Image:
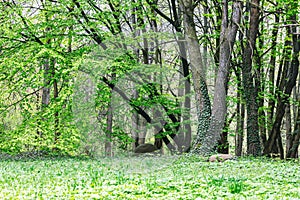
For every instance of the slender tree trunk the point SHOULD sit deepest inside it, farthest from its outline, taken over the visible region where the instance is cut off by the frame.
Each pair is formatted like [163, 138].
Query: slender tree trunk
[45, 101]
[293, 150]
[47, 77]
[294, 141]
[205, 31]
[288, 82]
[185, 134]
[218, 19]
[271, 103]
[239, 139]
[55, 96]
[135, 125]
[176, 20]
[261, 84]
[46, 88]
[240, 128]
[109, 125]
[223, 144]
[142, 131]
[288, 128]
[47, 74]
[135, 116]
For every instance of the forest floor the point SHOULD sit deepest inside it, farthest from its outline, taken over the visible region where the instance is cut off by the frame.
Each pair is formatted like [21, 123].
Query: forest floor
[156, 177]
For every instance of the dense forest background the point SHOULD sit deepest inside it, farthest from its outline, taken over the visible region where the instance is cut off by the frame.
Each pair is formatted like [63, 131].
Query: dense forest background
[102, 77]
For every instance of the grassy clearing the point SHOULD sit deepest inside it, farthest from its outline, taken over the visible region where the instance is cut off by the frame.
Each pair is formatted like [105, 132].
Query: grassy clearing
[170, 177]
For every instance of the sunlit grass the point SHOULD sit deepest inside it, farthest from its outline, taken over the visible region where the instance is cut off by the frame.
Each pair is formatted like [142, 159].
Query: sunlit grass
[170, 177]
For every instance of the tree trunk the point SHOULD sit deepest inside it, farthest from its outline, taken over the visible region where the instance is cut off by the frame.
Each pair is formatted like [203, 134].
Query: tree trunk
[240, 129]
[295, 139]
[219, 109]
[197, 68]
[250, 88]
[46, 88]
[135, 125]
[292, 152]
[271, 103]
[288, 128]
[176, 22]
[288, 82]
[55, 96]
[185, 134]
[109, 124]
[45, 92]
[240, 110]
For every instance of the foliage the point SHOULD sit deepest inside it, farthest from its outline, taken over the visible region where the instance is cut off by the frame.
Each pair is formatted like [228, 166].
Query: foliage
[117, 74]
[173, 177]
[64, 64]
[35, 57]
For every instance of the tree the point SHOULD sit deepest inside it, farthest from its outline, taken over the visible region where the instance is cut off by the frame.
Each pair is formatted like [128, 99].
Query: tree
[219, 109]
[250, 84]
[134, 66]
[287, 83]
[197, 68]
[41, 63]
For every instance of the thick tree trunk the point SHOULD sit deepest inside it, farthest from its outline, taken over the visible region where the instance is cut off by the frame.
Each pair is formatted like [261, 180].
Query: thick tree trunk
[197, 68]
[219, 109]
[250, 88]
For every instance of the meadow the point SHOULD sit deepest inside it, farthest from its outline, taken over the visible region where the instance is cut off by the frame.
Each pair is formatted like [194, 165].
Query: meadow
[152, 177]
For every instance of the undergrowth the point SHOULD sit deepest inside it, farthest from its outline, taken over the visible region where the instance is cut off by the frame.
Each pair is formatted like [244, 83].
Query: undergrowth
[158, 177]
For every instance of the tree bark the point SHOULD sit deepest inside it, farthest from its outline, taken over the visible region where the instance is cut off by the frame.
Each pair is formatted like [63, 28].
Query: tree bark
[250, 88]
[186, 134]
[219, 109]
[240, 110]
[198, 72]
[288, 128]
[292, 152]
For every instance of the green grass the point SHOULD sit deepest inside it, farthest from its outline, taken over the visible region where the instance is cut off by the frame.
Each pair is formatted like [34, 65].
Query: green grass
[170, 177]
